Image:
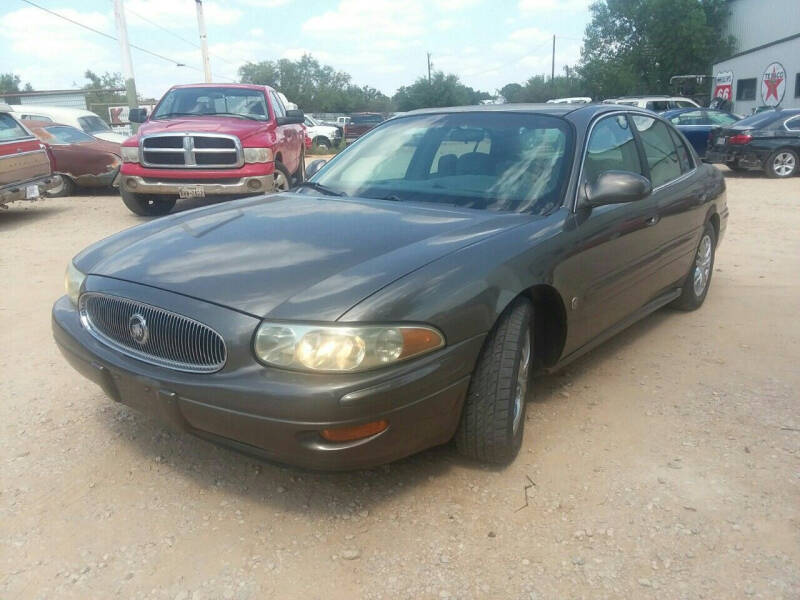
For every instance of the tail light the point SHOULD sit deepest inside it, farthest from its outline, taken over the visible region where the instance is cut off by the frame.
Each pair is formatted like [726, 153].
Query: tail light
[740, 139]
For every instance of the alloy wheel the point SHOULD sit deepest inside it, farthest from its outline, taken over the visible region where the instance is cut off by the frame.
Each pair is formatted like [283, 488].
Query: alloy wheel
[702, 266]
[522, 382]
[784, 164]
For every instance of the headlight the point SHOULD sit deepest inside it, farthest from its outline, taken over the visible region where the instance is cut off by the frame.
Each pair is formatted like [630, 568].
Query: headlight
[341, 348]
[130, 154]
[257, 155]
[73, 280]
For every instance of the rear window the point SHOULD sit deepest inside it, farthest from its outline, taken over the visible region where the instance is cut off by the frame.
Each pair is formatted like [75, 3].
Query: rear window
[64, 134]
[761, 119]
[10, 129]
[366, 119]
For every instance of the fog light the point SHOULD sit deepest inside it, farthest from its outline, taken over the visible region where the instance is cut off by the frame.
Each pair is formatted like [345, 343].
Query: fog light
[254, 184]
[355, 432]
[130, 182]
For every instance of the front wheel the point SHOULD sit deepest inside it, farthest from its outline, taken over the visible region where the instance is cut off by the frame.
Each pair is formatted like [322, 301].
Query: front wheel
[493, 416]
[782, 164]
[148, 205]
[282, 179]
[695, 286]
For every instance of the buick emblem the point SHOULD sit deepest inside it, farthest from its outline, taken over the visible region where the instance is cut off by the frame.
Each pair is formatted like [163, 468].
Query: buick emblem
[138, 329]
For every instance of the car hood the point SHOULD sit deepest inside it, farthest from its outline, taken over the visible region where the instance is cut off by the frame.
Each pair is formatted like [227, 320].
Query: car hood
[241, 128]
[289, 256]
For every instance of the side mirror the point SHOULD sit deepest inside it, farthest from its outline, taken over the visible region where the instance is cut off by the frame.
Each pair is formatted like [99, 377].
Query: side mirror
[617, 187]
[314, 166]
[293, 117]
[137, 115]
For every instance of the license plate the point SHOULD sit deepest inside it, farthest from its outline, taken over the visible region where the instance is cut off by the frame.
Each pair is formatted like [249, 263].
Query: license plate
[31, 191]
[191, 191]
[720, 141]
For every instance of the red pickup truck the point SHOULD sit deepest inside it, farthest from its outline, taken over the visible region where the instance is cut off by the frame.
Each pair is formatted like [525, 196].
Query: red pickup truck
[211, 139]
[25, 168]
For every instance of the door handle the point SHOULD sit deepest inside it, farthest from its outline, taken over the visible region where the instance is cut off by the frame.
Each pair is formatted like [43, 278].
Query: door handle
[652, 220]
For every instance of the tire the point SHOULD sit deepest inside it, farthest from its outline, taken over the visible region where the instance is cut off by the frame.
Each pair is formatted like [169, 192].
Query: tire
[493, 416]
[282, 178]
[782, 164]
[300, 174]
[66, 188]
[693, 294]
[734, 166]
[148, 205]
[322, 143]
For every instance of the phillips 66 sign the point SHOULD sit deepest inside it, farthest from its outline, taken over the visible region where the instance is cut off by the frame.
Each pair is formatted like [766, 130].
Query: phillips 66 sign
[723, 85]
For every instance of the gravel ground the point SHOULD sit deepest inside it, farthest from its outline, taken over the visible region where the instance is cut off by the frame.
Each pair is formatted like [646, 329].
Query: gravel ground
[665, 464]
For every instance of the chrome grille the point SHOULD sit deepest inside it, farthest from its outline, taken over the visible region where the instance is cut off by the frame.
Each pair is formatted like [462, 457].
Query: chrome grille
[169, 340]
[191, 151]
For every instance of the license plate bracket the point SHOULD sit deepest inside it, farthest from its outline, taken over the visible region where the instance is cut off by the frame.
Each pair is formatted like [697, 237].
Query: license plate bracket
[31, 192]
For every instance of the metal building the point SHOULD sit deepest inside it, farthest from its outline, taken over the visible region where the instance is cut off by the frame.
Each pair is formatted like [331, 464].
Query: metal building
[765, 70]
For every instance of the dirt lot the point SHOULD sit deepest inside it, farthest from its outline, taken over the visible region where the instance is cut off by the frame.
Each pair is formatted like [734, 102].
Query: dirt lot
[665, 464]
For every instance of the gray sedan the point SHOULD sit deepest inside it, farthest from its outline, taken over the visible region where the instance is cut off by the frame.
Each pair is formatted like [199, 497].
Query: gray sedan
[408, 292]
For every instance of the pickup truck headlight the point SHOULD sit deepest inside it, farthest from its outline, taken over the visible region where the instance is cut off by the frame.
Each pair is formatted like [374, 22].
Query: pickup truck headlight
[341, 348]
[130, 154]
[73, 281]
[257, 155]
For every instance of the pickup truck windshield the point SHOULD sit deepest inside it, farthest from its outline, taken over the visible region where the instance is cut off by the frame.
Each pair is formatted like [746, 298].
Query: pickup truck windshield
[200, 101]
[496, 161]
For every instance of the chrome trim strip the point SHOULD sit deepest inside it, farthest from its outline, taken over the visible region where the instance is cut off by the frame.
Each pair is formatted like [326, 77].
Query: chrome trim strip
[186, 339]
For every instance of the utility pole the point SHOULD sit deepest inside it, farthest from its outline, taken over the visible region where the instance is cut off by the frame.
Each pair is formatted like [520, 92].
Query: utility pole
[127, 63]
[553, 68]
[201, 25]
[429, 68]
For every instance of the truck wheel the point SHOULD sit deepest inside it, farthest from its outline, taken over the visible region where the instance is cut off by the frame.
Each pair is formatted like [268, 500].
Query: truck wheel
[781, 164]
[322, 143]
[148, 205]
[283, 180]
[493, 416]
[65, 188]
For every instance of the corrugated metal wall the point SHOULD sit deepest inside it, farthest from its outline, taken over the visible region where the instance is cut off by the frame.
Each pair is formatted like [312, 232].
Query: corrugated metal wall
[65, 100]
[758, 22]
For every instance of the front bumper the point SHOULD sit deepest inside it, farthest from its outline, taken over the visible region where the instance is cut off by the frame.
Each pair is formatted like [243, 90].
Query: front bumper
[279, 414]
[233, 186]
[19, 192]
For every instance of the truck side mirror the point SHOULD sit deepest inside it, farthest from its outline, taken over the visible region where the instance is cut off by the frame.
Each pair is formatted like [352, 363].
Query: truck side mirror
[293, 117]
[137, 115]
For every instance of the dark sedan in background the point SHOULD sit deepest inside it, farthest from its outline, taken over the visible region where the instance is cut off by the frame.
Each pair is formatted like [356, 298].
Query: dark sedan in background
[407, 293]
[768, 141]
[698, 123]
[80, 159]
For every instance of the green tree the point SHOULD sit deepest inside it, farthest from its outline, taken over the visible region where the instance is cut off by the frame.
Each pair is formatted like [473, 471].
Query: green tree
[314, 87]
[635, 46]
[102, 95]
[540, 88]
[9, 82]
[441, 90]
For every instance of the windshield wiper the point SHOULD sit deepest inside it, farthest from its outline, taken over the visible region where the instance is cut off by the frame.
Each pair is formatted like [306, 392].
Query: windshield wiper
[240, 115]
[318, 187]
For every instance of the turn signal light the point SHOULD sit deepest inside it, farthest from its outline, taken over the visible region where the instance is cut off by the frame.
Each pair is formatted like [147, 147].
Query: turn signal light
[740, 140]
[356, 432]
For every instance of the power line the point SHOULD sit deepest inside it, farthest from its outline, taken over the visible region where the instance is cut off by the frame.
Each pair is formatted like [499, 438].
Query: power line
[111, 37]
[508, 64]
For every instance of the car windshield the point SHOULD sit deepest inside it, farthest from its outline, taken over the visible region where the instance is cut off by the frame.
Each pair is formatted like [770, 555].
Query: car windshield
[199, 101]
[481, 160]
[64, 134]
[93, 124]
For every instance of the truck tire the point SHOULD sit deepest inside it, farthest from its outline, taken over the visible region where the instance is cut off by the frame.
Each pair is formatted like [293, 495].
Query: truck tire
[282, 178]
[322, 142]
[148, 205]
[493, 416]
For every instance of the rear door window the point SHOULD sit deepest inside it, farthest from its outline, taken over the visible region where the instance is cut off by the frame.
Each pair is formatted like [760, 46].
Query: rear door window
[659, 149]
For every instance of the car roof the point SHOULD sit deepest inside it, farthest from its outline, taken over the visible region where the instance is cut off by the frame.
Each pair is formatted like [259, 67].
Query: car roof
[557, 110]
[64, 111]
[244, 86]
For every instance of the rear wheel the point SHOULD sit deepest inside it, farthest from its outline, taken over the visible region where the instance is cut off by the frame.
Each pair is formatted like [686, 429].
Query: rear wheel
[493, 416]
[695, 287]
[148, 205]
[65, 188]
[322, 143]
[781, 164]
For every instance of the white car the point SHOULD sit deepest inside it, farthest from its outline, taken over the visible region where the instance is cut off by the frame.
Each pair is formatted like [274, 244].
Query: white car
[85, 120]
[323, 136]
[655, 103]
[576, 100]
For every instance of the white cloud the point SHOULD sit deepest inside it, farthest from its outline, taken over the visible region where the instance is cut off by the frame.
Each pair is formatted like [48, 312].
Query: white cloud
[455, 4]
[368, 19]
[528, 6]
[180, 13]
[265, 3]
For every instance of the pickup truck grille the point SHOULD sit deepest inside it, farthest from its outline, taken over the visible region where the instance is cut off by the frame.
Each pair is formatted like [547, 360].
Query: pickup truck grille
[152, 334]
[191, 151]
